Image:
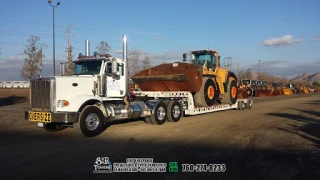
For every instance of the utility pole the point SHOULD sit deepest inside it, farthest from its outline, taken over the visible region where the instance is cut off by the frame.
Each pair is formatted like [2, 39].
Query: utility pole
[259, 71]
[69, 52]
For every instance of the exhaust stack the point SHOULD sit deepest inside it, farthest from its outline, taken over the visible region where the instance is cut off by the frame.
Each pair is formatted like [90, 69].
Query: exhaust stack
[125, 60]
[87, 48]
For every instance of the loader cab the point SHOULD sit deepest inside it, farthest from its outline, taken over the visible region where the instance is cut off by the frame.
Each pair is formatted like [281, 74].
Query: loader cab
[208, 58]
[246, 82]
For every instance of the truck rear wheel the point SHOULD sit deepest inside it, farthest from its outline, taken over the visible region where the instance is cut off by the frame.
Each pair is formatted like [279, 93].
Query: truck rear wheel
[174, 110]
[231, 95]
[207, 94]
[159, 115]
[91, 122]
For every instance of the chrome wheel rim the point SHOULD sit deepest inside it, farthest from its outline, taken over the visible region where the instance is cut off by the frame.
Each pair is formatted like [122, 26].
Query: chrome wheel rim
[92, 121]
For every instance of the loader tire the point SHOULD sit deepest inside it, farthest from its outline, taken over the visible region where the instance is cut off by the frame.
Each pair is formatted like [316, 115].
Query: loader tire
[249, 92]
[207, 94]
[231, 96]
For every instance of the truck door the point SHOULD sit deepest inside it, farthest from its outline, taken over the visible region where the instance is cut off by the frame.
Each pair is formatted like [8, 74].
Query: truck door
[115, 86]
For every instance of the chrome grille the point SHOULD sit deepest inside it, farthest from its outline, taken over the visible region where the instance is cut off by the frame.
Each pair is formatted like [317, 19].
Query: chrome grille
[41, 95]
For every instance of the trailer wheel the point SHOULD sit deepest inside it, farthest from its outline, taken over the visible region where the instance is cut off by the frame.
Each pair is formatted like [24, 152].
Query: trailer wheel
[249, 104]
[159, 115]
[207, 94]
[91, 122]
[174, 110]
[243, 105]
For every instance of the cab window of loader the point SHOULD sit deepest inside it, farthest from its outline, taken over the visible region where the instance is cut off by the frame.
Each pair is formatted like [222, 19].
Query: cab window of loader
[203, 58]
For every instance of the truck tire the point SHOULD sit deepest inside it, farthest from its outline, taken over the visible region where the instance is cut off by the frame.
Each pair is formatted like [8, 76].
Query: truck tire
[174, 110]
[90, 122]
[207, 94]
[159, 116]
[231, 95]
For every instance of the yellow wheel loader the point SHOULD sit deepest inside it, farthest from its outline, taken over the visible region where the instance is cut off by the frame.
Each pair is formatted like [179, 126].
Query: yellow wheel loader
[203, 76]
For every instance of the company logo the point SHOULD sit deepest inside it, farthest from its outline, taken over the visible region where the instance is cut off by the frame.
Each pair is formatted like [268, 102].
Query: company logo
[173, 167]
[102, 165]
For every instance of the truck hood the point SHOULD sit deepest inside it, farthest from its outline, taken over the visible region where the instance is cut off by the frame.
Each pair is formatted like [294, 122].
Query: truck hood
[71, 86]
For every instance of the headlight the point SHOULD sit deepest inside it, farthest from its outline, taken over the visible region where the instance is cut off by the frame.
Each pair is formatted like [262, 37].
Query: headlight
[62, 103]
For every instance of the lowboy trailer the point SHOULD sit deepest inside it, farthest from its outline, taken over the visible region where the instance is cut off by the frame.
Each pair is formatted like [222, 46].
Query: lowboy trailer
[98, 92]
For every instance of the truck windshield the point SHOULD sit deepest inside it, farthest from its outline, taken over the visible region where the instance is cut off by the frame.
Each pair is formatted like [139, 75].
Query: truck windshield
[254, 82]
[87, 67]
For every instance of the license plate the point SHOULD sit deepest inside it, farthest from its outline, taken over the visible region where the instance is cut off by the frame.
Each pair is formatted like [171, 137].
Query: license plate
[40, 116]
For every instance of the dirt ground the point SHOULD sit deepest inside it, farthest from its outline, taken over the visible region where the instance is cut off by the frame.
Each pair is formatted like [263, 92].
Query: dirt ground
[13, 95]
[278, 139]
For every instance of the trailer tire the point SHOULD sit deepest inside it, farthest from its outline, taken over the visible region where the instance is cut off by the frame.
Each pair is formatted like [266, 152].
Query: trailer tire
[207, 94]
[174, 111]
[243, 105]
[159, 115]
[249, 104]
[90, 114]
[231, 95]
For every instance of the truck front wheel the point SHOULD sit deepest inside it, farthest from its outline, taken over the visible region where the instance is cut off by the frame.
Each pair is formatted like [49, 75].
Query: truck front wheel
[90, 122]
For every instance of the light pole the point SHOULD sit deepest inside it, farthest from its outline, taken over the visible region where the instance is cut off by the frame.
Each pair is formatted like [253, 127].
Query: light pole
[259, 71]
[54, 43]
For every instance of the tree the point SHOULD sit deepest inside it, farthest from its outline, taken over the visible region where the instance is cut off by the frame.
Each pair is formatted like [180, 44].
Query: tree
[69, 67]
[316, 84]
[103, 47]
[146, 63]
[248, 74]
[241, 75]
[32, 64]
[134, 61]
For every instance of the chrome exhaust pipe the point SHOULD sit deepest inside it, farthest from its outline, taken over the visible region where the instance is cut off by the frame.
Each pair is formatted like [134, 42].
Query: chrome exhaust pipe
[125, 60]
[87, 48]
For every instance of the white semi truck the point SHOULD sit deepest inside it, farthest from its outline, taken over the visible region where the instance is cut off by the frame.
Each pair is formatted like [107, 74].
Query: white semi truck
[98, 92]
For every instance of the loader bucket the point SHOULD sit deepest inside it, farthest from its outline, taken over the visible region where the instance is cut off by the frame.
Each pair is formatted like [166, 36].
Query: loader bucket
[287, 92]
[261, 93]
[242, 94]
[170, 77]
[277, 92]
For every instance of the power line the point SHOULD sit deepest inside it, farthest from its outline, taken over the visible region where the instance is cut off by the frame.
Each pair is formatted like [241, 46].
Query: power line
[39, 24]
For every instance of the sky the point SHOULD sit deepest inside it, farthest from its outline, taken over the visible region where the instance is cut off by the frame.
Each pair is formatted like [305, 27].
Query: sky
[283, 34]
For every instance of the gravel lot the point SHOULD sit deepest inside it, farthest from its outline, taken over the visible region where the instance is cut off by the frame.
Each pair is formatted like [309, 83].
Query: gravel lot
[278, 139]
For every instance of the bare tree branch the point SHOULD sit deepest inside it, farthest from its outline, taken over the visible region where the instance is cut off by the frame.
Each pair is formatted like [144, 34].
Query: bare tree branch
[146, 63]
[33, 63]
[134, 62]
[103, 47]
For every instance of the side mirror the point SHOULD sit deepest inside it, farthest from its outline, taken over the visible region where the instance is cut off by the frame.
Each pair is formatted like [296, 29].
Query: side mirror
[184, 56]
[114, 66]
[115, 75]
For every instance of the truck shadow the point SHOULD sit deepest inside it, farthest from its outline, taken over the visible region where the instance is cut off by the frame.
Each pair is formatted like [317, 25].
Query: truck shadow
[11, 100]
[251, 164]
[314, 102]
[310, 130]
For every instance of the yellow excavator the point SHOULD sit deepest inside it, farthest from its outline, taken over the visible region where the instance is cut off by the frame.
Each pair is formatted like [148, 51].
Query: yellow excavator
[202, 75]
